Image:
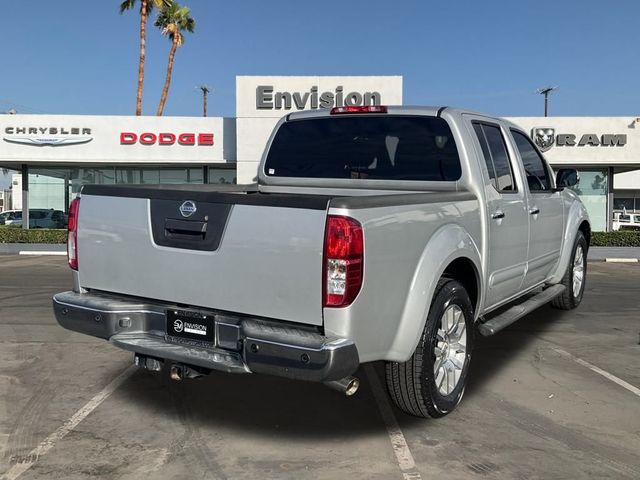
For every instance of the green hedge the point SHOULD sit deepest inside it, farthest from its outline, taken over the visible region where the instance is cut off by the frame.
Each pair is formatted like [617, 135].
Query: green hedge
[9, 234]
[621, 238]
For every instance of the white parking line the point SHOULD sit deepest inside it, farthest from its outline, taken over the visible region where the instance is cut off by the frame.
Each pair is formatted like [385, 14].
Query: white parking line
[43, 252]
[68, 426]
[598, 370]
[398, 442]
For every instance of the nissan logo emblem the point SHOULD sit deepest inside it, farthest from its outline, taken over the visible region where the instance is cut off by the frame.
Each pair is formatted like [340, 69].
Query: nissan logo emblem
[188, 208]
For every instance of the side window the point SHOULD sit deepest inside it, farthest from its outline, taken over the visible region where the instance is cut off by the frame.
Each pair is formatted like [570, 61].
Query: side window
[534, 166]
[495, 156]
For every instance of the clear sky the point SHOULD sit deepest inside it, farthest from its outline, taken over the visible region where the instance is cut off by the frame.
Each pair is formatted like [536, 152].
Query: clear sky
[80, 56]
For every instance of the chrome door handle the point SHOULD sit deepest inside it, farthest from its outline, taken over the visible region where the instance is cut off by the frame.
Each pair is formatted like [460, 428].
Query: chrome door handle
[534, 211]
[497, 215]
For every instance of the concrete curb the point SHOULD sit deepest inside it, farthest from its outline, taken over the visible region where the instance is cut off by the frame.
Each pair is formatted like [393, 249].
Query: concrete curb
[603, 254]
[17, 248]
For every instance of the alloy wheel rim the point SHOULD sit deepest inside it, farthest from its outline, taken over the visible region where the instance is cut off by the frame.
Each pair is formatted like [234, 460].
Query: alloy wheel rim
[450, 350]
[578, 271]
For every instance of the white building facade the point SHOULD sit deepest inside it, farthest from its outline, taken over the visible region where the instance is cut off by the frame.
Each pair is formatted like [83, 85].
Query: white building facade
[57, 154]
[604, 150]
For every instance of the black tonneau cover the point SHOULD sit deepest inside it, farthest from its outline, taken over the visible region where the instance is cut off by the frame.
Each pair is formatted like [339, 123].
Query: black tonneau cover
[211, 193]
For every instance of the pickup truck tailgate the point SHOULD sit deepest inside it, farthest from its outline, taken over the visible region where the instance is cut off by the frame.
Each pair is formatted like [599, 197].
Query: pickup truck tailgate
[254, 254]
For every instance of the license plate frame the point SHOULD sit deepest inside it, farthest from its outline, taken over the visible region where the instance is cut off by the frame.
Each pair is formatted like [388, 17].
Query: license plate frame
[190, 324]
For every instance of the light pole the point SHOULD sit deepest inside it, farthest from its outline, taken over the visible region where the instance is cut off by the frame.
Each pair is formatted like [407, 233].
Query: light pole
[546, 91]
[205, 91]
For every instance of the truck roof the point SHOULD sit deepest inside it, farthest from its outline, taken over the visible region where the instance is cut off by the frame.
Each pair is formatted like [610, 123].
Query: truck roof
[429, 110]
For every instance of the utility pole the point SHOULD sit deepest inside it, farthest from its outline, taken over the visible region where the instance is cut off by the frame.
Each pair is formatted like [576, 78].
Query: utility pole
[546, 91]
[205, 92]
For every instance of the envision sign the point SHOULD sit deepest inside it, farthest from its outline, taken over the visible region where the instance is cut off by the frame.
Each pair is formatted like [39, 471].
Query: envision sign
[545, 138]
[51, 136]
[267, 99]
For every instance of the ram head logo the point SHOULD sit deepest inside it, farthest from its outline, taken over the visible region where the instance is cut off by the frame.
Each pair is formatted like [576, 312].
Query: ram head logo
[544, 137]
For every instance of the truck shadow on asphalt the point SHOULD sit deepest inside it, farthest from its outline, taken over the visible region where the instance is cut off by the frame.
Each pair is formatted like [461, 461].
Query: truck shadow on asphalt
[493, 354]
[265, 405]
[257, 404]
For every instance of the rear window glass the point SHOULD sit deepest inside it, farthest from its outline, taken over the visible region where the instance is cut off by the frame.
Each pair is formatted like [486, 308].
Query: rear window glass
[38, 214]
[368, 147]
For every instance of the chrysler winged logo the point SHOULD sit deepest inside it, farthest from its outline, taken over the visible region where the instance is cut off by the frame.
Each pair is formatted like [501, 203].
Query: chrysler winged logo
[51, 141]
[188, 208]
[544, 137]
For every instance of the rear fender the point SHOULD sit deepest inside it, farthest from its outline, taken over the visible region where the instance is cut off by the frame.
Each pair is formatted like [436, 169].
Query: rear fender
[446, 245]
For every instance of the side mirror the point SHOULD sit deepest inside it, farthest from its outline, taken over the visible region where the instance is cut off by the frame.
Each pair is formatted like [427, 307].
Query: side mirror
[567, 177]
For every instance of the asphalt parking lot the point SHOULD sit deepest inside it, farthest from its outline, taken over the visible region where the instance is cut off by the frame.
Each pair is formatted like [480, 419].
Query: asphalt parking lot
[551, 397]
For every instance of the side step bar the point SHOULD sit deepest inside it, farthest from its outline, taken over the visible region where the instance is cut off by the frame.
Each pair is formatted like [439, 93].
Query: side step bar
[506, 318]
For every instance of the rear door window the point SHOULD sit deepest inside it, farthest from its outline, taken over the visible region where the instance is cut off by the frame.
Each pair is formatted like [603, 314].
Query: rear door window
[496, 156]
[376, 147]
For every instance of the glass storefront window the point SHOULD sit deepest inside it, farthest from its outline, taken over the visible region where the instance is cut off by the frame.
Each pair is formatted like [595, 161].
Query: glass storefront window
[128, 175]
[593, 191]
[46, 191]
[180, 175]
[222, 176]
[54, 188]
[623, 204]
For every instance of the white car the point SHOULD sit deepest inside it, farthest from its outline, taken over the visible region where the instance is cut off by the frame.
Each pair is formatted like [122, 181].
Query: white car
[626, 221]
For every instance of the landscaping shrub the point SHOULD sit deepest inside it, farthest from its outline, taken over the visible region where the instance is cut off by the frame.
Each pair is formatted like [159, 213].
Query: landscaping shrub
[621, 238]
[15, 234]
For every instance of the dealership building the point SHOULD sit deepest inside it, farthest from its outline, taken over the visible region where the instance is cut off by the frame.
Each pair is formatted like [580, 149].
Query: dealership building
[56, 154]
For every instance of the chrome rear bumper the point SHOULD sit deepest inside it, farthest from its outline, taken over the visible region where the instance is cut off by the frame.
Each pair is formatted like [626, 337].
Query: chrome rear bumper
[241, 345]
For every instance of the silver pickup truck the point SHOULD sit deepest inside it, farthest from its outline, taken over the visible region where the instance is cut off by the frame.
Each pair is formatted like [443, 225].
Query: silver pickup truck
[372, 233]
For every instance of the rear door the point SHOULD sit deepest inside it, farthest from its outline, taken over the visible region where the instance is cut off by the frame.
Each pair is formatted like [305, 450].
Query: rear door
[507, 213]
[545, 209]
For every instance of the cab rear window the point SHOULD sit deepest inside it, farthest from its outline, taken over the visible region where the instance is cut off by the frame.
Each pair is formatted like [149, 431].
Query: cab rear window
[376, 147]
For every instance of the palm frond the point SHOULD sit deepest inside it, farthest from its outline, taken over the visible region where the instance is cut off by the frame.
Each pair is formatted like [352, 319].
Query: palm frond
[127, 5]
[173, 19]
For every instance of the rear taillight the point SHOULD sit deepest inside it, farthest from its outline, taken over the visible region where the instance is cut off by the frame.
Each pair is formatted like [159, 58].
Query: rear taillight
[343, 261]
[72, 239]
[359, 109]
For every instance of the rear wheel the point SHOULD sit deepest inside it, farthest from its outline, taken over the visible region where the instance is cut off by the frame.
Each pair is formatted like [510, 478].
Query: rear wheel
[574, 277]
[431, 383]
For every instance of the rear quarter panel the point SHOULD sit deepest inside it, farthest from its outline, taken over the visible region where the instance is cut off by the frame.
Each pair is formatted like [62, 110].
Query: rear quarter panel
[407, 248]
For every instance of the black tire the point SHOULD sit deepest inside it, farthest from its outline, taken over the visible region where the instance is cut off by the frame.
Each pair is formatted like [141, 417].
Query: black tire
[412, 384]
[569, 300]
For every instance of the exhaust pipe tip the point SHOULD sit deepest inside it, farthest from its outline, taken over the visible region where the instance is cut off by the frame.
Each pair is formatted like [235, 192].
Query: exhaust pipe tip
[176, 373]
[347, 385]
[352, 387]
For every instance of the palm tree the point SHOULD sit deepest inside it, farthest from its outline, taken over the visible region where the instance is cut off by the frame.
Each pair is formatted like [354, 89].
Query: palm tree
[145, 8]
[172, 20]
